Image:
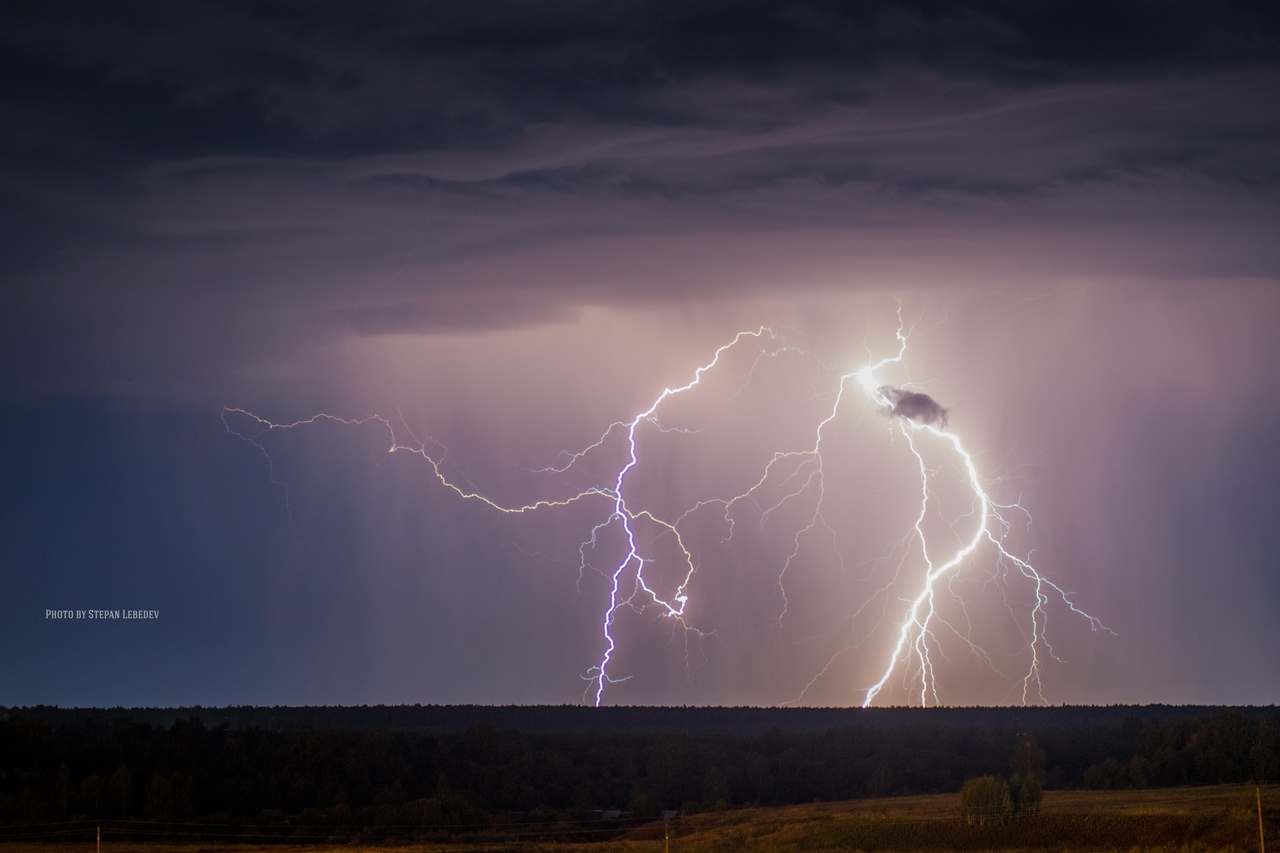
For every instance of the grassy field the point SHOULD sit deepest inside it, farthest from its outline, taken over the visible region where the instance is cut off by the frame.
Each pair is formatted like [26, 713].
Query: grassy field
[1220, 818]
[1188, 820]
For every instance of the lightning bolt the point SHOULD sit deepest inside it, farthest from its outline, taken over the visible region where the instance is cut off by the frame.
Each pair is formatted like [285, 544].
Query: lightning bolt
[916, 630]
[675, 605]
[630, 569]
[795, 473]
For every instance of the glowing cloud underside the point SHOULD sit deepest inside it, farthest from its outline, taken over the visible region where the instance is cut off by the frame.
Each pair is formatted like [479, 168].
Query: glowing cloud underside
[799, 472]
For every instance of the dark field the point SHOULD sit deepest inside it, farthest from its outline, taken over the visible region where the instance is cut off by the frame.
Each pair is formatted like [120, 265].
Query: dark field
[225, 780]
[1221, 818]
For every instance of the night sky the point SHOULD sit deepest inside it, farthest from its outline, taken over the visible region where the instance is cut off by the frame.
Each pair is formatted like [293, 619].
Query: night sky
[497, 228]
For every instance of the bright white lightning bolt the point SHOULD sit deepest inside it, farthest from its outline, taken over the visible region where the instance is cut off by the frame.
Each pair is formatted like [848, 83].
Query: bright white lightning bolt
[915, 630]
[801, 473]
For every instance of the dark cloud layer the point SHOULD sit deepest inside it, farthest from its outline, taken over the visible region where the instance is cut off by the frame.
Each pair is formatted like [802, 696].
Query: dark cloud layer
[337, 160]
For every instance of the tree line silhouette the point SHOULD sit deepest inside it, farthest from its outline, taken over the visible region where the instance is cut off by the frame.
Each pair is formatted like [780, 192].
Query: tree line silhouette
[379, 783]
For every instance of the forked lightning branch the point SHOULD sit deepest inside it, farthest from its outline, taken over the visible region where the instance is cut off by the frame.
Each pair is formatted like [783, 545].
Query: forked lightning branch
[643, 579]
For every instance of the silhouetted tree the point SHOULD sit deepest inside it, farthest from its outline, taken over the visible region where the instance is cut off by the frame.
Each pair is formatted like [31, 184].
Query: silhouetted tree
[1026, 784]
[64, 789]
[92, 793]
[120, 792]
[985, 800]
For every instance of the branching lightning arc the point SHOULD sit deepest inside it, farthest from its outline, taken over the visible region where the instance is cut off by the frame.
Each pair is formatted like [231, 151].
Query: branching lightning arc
[800, 471]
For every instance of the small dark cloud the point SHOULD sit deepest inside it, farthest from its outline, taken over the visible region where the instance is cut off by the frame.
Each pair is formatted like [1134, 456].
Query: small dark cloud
[912, 405]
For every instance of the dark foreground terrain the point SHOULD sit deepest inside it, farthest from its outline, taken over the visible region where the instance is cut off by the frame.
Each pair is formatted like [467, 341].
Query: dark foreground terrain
[573, 776]
[1187, 820]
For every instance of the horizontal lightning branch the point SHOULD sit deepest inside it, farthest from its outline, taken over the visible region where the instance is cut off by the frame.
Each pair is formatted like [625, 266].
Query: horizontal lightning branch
[796, 475]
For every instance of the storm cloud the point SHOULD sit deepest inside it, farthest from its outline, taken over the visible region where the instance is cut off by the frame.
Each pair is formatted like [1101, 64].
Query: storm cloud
[325, 171]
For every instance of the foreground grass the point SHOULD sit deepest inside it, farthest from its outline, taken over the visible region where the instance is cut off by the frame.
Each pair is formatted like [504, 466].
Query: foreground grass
[1187, 820]
[1219, 818]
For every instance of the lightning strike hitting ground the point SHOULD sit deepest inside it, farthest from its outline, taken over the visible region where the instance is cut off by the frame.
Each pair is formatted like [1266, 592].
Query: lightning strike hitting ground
[916, 413]
[800, 473]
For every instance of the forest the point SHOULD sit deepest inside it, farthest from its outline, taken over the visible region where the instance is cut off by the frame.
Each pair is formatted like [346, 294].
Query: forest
[292, 778]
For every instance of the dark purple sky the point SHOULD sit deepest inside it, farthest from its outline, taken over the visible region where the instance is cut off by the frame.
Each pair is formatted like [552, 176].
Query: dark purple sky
[506, 226]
